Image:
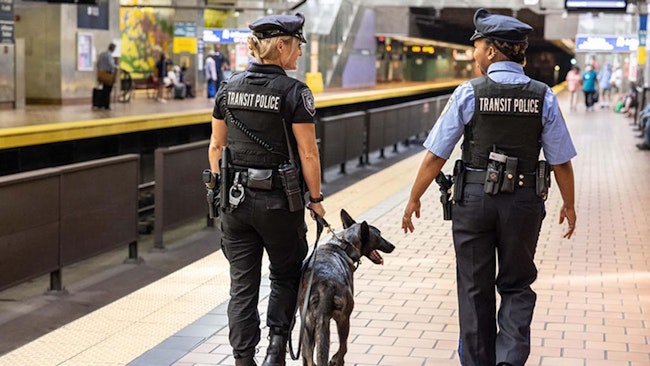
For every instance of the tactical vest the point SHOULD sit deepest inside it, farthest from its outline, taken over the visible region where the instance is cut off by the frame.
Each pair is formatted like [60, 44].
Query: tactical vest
[508, 117]
[258, 103]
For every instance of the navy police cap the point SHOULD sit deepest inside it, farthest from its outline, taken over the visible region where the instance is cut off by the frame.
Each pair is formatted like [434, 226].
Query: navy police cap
[279, 25]
[500, 27]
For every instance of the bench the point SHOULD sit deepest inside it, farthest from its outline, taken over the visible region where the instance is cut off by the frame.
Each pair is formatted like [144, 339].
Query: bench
[148, 84]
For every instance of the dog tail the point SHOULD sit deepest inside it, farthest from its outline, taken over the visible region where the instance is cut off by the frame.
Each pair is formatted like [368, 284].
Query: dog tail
[323, 302]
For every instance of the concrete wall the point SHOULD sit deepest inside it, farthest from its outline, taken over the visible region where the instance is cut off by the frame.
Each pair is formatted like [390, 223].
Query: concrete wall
[40, 26]
[50, 33]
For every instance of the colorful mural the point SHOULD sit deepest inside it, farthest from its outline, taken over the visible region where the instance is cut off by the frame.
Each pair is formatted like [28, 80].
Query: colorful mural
[145, 33]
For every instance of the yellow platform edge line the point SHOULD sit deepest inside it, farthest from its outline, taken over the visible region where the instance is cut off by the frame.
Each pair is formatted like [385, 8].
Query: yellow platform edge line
[333, 99]
[59, 132]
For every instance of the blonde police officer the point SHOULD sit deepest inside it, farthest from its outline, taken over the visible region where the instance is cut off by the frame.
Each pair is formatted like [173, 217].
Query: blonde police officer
[278, 111]
[504, 116]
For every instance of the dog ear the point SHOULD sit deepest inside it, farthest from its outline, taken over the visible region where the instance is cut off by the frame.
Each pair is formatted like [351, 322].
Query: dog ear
[346, 219]
[365, 234]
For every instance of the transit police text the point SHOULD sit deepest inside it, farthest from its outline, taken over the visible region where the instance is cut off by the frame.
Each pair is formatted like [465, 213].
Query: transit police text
[254, 101]
[509, 105]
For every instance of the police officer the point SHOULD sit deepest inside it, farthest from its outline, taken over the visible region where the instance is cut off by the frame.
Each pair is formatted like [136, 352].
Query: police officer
[277, 111]
[503, 115]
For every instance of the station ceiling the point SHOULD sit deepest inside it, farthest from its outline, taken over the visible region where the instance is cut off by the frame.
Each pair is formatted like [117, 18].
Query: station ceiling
[455, 25]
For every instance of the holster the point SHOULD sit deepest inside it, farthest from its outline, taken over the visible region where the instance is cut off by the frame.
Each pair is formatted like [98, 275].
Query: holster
[509, 175]
[494, 173]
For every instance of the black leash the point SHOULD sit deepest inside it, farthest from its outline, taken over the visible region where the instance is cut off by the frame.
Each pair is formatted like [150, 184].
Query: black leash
[320, 223]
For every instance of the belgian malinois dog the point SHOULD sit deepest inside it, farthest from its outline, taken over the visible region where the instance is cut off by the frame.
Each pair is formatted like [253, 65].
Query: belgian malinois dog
[332, 292]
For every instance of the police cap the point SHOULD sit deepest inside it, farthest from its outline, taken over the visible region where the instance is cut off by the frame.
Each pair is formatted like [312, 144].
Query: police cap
[499, 27]
[279, 25]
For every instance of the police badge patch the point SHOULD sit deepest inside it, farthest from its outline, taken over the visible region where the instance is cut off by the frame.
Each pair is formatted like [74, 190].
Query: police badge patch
[308, 101]
[449, 103]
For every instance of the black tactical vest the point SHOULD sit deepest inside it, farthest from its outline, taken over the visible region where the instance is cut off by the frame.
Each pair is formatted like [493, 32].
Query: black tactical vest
[257, 100]
[508, 117]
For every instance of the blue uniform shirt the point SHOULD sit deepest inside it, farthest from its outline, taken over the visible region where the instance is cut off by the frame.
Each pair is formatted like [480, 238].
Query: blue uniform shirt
[556, 141]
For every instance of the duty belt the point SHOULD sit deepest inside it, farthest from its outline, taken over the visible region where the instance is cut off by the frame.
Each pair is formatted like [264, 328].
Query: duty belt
[276, 180]
[522, 180]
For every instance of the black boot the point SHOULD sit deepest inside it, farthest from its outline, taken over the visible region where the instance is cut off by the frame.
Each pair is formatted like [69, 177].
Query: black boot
[246, 361]
[277, 349]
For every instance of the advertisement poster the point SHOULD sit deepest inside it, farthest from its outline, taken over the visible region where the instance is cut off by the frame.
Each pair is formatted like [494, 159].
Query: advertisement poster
[84, 51]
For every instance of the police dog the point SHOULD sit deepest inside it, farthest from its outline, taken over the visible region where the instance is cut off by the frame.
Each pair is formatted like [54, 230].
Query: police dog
[332, 292]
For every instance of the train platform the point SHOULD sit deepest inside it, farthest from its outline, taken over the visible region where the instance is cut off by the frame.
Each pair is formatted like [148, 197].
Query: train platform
[593, 290]
[43, 124]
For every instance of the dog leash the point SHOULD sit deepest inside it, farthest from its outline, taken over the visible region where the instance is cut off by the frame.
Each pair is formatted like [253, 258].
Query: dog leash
[320, 224]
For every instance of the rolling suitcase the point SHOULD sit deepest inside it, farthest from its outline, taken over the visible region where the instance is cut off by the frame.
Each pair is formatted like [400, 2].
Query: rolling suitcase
[212, 88]
[179, 91]
[97, 98]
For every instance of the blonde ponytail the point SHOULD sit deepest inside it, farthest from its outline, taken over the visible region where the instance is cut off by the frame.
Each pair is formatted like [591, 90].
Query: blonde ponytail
[264, 50]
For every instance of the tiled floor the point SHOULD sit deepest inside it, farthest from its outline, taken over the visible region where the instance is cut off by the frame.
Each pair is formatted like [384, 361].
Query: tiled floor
[593, 290]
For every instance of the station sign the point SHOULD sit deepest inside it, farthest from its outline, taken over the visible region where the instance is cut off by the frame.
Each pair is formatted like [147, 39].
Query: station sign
[185, 29]
[7, 21]
[185, 37]
[93, 16]
[213, 35]
[606, 44]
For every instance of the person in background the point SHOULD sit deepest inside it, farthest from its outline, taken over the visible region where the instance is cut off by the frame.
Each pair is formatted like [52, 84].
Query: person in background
[161, 74]
[645, 145]
[574, 84]
[589, 80]
[261, 215]
[630, 100]
[221, 63]
[177, 87]
[211, 75]
[616, 81]
[496, 226]
[188, 86]
[605, 86]
[106, 63]
[644, 116]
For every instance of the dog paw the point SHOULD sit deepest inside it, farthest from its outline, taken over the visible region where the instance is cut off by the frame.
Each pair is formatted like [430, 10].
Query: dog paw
[336, 361]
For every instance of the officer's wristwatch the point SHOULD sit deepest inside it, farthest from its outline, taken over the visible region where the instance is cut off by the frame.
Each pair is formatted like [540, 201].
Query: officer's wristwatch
[318, 199]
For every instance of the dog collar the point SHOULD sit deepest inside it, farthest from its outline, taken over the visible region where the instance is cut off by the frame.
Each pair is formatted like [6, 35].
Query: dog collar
[350, 250]
[340, 247]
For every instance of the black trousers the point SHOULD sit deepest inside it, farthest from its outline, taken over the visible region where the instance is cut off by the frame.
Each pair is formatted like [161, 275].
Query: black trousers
[106, 96]
[262, 222]
[488, 231]
[589, 98]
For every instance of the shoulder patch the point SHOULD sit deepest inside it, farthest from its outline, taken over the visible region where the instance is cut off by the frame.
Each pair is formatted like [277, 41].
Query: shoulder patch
[308, 101]
[449, 103]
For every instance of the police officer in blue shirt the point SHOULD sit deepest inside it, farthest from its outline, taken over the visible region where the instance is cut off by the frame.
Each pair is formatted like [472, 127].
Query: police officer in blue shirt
[506, 118]
[265, 119]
